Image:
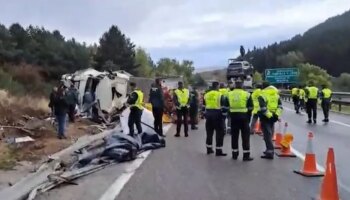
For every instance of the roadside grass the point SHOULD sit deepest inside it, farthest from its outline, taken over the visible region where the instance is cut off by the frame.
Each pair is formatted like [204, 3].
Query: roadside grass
[8, 158]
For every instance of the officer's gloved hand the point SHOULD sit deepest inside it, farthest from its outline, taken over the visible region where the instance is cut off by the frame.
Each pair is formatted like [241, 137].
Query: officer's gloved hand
[274, 117]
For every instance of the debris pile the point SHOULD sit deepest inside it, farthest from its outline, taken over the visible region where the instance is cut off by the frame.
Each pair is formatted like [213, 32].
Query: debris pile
[87, 155]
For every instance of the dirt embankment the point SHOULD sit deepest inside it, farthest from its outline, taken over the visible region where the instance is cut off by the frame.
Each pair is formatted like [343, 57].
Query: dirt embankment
[26, 116]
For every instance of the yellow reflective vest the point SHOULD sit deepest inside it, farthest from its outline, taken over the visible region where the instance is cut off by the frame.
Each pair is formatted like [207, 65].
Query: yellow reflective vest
[295, 92]
[301, 94]
[183, 96]
[139, 101]
[224, 91]
[327, 93]
[271, 98]
[213, 100]
[238, 99]
[312, 92]
[255, 97]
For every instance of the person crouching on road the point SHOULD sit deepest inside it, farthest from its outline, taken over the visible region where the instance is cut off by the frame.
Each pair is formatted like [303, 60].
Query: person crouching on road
[194, 101]
[60, 109]
[181, 100]
[156, 98]
[214, 102]
[240, 105]
[270, 111]
[326, 98]
[135, 101]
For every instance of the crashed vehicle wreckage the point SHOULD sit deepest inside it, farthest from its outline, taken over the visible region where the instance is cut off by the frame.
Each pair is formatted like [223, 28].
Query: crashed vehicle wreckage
[94, 152]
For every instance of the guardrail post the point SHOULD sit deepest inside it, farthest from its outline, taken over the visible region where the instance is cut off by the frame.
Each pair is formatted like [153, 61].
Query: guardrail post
[339, 107]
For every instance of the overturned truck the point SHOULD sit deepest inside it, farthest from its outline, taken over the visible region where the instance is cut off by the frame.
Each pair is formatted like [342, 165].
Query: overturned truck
[108, 88]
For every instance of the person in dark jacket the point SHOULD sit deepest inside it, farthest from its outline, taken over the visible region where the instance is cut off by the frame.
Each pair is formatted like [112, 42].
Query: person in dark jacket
[52, 99]
[194, 101]
[156, 98]
[72, 100]
[60, 108]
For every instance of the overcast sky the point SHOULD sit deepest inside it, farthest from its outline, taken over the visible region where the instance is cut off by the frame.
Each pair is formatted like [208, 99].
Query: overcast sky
[205, 31]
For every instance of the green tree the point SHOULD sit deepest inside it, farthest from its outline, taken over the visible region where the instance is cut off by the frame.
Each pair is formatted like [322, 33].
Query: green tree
[291, 59]
[144, 63]
[115, 46]
[342, 83]
[313, 73]
[198, 81]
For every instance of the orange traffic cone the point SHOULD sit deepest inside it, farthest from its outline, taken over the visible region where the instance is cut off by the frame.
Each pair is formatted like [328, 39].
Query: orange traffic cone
[277, 132]
[257, 128]
[285, 144]
[329, 188]
[309, 168]
[279, 136]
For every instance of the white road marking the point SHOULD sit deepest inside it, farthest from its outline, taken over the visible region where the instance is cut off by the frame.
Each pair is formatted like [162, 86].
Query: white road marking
[319, 167]
[114, 190]
[333, 121]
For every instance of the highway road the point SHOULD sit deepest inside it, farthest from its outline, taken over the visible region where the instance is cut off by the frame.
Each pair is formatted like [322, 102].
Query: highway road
[182, 170]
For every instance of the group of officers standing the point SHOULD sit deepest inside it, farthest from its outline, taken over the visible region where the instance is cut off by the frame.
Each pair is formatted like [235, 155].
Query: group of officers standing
[240, 106]
[308, 97]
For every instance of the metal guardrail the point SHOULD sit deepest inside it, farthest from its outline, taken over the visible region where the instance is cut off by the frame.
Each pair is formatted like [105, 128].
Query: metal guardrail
[338, 98]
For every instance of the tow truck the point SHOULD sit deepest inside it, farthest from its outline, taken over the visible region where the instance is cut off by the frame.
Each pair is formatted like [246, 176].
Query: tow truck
[240, 69]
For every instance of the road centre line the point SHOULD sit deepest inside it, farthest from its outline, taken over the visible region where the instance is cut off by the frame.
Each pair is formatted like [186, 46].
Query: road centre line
[114, 190]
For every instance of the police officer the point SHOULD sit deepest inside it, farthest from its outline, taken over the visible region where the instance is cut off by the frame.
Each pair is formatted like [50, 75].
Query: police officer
[156, 98]
[240, 105]
[270, 111]
[194, 101]
[181, 100]
[231, 86]
[224, 91]
[326, 97]
[302, 94]
[255, 95]
[295, 97]
[311, 104]
[135, 101]
[214, 101]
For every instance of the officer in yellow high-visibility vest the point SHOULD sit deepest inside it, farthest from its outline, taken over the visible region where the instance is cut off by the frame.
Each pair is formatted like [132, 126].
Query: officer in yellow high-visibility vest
[181, 100]
[214, 108]
[295, 97]
[311, 104]
[302, 96]
[240, 105]
[326, 98]
[270, 111]
[255, 95]
[135, 101]
[224, 91]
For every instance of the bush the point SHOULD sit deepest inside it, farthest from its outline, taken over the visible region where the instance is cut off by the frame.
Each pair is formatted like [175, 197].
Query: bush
[9, 84]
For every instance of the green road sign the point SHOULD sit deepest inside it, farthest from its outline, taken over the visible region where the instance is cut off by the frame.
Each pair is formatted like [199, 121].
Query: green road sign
[282, 75]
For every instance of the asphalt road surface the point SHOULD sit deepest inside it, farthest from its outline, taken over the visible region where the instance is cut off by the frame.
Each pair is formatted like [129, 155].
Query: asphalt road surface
[182, 170]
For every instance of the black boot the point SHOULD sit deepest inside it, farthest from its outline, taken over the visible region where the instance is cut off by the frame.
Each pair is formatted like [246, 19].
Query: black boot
[220, 153]
[267, 155]
[246, 157]
[194, 128]
[209, 151]
[315, 121]
[186, 134]
[235, 155]
[309, 121]
[177, 135]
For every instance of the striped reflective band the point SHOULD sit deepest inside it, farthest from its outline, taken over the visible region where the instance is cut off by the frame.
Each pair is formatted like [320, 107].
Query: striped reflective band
[234, 150]
[246, 151]
[218, 148]
[209, 146]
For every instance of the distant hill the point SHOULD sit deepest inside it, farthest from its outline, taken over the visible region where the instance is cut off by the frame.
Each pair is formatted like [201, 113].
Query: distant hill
[217, 74]
[326, 45]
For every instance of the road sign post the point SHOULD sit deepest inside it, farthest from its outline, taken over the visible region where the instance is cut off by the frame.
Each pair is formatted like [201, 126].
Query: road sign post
[282, 75]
